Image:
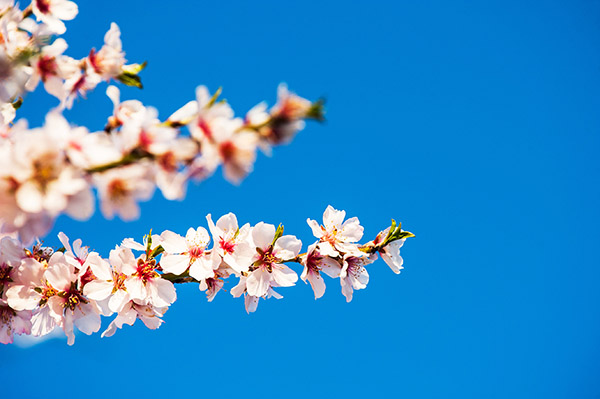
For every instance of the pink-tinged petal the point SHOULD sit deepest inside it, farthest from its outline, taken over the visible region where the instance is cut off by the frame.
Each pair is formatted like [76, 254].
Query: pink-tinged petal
[263, 234]
[346, 289]
[55, 304]
[65, 10]
[30, 272]
[12, 250]
[68, 327]
[64, 240]
[127, 317]
[227, 223]
[214, 231]
[30, 198]
[103, 307]
[123, 260]
[361, 280]
[287, 247]
[239, 289]
[198, 237]
[114, 94]
[351, 230]
[42, 322]
[100, 267]
[21, 323]
[136, 288]
[202, 268]
[175, 264]
[112, 38]
[166, 293]
[304, 274]
[98, 290]
[152, 322]
[257, 283]
[233, 263]
[317, 283]
[87, 319]
[326, 249]
[118, 300]
[272, 293]
[284, 276]
[330, 267]
[20, 297]
[315, 227]
[56, 48]
[129, 210]
[6, 336]
[132, 244]
[348, 249]
[173, 243]
[391, 255]
[81, 205]
[185, 114]
[333, 218]
[251, 303]
[59, 276]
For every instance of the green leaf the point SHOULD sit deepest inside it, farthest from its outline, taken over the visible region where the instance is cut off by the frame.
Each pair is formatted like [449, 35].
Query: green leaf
[130, 79]
[392, 230]
[278, 233]
[149, 242]
[134, 69]
[157, 251]
[317, 110]
[215, 97]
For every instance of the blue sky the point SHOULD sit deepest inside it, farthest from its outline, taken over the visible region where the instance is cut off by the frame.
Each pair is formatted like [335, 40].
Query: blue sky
[476, 125]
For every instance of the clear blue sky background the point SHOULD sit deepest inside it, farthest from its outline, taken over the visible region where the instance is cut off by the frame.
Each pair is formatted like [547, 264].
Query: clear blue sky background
[476, 125]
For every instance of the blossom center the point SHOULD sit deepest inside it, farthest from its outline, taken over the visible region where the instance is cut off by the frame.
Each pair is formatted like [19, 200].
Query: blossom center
[146, 270]
[4, 274]
[118, 190]
[43, 171]
[119, 281]
[43, 6]
[227, 150]
[47, 66]
[72, 298]
[87, 276]
[6, 315]
[196, 252]
[227, 246]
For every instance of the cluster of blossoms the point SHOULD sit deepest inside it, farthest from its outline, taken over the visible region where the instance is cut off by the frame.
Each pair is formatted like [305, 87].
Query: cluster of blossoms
[42, 289]
[54, 169]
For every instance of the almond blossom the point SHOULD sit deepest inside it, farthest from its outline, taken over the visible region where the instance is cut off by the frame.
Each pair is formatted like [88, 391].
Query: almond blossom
[69, 306]
[120, 189]
[109, 61]
[13, 322]
[314, 263]
[146, 284]
[353, 275]
[336, 236]
[53, 12]
[267, 268]
[109, 282]
[189, 252]
[233, 244]
[150, 316]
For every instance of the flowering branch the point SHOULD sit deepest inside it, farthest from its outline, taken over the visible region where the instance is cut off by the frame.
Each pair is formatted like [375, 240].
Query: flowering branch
[72, 287]
[52, 170]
